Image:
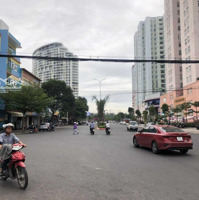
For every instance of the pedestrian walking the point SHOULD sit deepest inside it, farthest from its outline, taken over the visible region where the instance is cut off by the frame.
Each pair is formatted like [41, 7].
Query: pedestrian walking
[75, 131]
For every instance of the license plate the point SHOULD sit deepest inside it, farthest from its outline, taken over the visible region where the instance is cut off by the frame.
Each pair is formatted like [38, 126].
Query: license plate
[179, 139]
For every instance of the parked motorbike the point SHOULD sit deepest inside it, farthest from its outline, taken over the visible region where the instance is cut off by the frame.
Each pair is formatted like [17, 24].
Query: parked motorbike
[16, 168]
[92, 131]
[108, 132]
[52, 128]
[31, 130]
[180, 125]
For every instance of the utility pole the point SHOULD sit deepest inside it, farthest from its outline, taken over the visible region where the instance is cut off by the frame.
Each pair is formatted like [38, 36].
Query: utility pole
[100, 85]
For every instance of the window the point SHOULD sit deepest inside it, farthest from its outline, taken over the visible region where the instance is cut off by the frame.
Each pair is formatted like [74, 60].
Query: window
[152, 130]
[146, 130]
[190, 69]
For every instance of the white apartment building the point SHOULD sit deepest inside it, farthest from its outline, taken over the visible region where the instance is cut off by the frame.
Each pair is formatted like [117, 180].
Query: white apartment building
[148, 78]
[67, 71]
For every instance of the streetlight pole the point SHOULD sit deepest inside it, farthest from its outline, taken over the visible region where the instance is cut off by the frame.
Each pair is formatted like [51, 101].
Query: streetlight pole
[100, 84]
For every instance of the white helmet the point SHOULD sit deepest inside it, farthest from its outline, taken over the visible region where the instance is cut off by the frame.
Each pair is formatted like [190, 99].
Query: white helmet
[8, 125]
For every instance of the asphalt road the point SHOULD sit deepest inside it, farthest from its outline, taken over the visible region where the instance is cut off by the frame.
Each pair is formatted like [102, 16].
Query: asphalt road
[63, 166]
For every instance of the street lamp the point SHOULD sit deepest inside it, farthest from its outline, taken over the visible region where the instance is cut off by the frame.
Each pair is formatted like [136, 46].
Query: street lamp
[100, 84]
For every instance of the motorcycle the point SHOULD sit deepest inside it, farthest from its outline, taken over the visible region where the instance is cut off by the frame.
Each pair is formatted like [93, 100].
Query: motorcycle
[92, 131]
[32, 130]
[16, 168]
[52, 128]
[108, 132]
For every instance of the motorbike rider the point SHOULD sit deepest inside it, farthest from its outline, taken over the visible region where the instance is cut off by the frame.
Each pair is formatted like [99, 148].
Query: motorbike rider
[8, 138]
[31, 127]
[107, 126]
[92, 126]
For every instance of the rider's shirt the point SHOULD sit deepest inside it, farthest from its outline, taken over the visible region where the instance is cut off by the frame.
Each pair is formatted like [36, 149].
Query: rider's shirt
[92, 125]
[11, 139]
[107, 125]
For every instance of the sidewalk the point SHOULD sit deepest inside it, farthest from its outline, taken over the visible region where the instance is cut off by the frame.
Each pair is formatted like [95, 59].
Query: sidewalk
[191, 130]
[20, 132]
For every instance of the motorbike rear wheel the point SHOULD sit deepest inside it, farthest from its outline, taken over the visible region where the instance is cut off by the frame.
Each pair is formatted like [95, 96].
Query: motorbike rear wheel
[22, 177]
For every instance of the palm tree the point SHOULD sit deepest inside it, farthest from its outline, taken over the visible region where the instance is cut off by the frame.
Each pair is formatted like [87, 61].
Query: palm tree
[139, 115]
[100, 106]
[145, 116]
[196, 105]
[153, 113]
[165, 110]
[177, 109]
[185, 106]
[131, 112]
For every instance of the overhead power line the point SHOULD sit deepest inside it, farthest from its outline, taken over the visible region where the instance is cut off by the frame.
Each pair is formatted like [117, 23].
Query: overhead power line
[102, 59]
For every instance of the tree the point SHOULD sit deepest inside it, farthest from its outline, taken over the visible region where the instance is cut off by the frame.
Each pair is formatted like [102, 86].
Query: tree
[80, 108]
[196, 105]
[177, 109]
[145, 116]
[185, 106]
[131, 113]
[120, 116]
[100, 106]
[153, 113]
[64, 100]
[138, 113]
[28, 99]
[165, 108]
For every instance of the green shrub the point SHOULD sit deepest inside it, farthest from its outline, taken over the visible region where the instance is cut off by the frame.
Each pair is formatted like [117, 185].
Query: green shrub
[101, 125]
[190, 124]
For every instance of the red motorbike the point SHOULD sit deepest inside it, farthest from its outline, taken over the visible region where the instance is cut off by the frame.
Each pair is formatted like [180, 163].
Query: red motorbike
[16, 168]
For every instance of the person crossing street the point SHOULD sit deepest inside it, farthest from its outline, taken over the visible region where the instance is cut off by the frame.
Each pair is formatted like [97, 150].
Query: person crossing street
[75, 130]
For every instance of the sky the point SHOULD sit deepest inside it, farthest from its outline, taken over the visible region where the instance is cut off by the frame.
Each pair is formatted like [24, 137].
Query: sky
[96, 28]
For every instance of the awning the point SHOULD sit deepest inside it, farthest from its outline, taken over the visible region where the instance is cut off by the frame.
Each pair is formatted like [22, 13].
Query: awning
[15, 114]
[32, 114]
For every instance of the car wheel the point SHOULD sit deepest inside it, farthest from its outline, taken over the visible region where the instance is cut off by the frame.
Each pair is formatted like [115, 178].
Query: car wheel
[154, 147]
[183, 151]
[135, 142]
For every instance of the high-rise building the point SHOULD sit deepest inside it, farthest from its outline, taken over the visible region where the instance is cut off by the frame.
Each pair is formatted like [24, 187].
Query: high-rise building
[148, 78]
[189, 17]
[181, 42]
[10, 71]
[173, 47]
[67, 71]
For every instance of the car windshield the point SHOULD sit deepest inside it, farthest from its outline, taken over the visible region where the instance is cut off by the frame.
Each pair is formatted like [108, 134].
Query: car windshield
[171, 129]
[133, 123]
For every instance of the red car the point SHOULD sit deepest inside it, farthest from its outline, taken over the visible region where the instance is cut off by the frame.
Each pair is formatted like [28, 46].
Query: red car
[163, 138]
